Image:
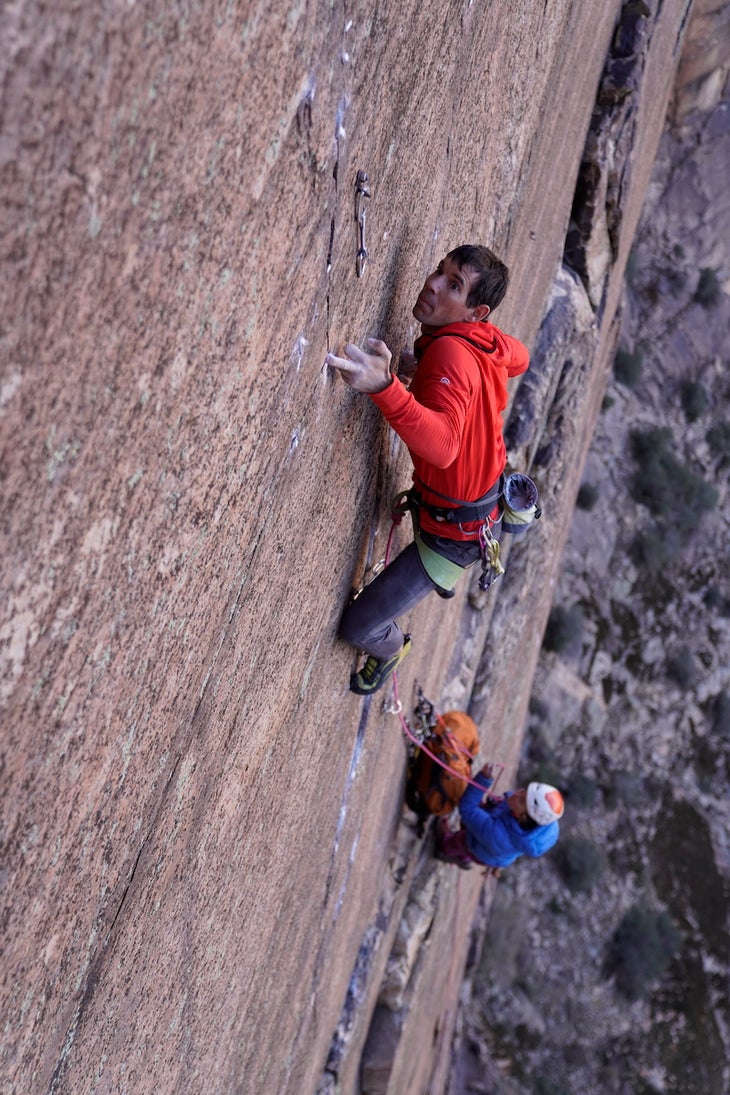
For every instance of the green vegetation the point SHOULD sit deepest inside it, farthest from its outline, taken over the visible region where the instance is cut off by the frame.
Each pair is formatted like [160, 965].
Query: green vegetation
[564, 628]
[716, 601]
[694, 398]
[708, 289]
[545, 1086]
[681, 668]
[672, 492]
[718, 438]
[641, 950]
[720, 715]
[667, 487]
[580, 863]
[627, 367]
[581, 790]
[587, 496]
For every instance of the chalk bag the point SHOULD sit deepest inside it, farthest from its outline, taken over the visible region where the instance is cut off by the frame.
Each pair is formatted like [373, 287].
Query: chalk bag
[519, 504]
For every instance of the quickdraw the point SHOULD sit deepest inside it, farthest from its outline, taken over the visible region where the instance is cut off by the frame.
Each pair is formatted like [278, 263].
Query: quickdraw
[492, 567]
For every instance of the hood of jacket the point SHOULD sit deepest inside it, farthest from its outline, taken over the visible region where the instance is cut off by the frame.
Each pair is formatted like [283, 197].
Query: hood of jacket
[482, 336]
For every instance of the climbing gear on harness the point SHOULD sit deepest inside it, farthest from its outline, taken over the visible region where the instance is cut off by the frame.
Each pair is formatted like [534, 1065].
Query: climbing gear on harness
[424, 715]
[443, 572]
[519, 504]
[544, 803]
[431, 788]
[491, 564]
[376, 671]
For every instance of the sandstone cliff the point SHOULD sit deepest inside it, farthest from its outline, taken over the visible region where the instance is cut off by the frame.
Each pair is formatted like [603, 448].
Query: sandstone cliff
[200, 824]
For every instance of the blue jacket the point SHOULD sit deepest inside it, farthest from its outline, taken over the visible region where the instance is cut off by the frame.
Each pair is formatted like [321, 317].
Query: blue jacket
[494, 836]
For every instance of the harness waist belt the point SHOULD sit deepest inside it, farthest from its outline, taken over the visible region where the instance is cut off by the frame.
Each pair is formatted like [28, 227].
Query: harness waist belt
[459, 513]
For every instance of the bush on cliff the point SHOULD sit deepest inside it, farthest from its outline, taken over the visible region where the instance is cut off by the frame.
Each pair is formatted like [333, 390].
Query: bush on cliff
[627, 367]
[580, 863]
[564, 628]
[640, 951]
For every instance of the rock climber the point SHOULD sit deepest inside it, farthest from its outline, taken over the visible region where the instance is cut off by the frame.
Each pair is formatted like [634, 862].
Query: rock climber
[451, 421]
[497, 832]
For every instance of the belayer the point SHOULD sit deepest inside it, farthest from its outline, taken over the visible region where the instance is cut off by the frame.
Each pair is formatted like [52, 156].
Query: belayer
[497, 832]
[451, 421]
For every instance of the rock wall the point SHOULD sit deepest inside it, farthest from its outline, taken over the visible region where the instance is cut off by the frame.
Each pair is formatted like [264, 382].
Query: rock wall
[195, 808]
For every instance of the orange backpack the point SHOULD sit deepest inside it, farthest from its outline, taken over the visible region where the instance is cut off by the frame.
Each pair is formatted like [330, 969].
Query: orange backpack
[430, 789]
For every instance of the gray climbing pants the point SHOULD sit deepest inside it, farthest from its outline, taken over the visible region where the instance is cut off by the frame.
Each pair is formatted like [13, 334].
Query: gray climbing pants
[369, 623]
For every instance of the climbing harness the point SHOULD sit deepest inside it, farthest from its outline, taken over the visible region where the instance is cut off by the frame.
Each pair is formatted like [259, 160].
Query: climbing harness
[461, 513]
[443, 572]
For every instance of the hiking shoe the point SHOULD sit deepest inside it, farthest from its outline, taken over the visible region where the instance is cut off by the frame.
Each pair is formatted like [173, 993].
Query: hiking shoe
[376, 671]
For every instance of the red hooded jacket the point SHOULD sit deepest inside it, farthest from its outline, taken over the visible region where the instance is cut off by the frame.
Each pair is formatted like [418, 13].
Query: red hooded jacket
[451, 419]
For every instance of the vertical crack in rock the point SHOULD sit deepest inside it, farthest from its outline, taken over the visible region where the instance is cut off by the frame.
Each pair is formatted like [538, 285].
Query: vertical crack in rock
[94, 965]
[352, 772]
[592, 242]
[93, 969]
[354, 997]
[340, 135]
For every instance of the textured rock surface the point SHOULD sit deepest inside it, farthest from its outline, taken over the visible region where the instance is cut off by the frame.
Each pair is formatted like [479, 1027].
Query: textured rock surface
[194, 808]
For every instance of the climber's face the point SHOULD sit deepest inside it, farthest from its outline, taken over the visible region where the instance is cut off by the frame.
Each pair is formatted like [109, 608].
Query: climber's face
[443, 297]
[517, 803]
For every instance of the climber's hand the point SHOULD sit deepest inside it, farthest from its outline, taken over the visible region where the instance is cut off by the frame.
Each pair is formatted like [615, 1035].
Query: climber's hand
[365, 372]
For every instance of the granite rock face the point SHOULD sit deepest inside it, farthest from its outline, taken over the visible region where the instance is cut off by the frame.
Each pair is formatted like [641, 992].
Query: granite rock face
[194, 807]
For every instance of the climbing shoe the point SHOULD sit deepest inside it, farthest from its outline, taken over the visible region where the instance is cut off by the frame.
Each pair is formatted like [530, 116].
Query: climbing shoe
[376, 672]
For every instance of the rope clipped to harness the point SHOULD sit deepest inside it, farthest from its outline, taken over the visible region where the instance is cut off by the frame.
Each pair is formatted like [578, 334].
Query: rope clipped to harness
[427, 710]
[420, 744]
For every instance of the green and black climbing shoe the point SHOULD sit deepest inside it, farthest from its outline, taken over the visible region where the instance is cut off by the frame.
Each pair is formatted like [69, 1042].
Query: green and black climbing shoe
[376, 672]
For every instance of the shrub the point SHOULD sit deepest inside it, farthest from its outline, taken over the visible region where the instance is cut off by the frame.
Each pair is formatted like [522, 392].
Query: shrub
[640, 951]
[655, 548]
[681, 668]
[632, 269]
[667, 487]
[564, 627]
[718, 438]
[538, 707]
[545, 1086]
[580, 863]
[587, 496]
[627, 367]
[625, 788]
[713, 598]
[694, 398]
[581, 791]
[708, 289]
[720, 715]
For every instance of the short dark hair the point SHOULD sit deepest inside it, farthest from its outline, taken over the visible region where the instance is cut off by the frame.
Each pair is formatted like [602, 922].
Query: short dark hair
[493, 274]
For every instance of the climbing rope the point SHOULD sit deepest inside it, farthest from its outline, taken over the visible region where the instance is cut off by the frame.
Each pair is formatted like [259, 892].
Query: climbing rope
[397, 707]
